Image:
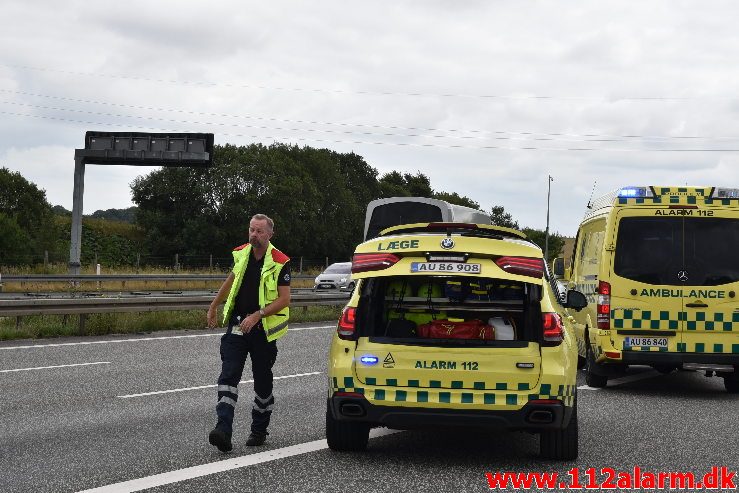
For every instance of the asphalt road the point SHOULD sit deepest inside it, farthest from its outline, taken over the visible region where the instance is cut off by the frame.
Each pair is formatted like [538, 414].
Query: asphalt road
[83, 413]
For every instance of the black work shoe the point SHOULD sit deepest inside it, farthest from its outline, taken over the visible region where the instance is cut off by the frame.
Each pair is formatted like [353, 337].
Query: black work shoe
[255, 439]
[220, 439]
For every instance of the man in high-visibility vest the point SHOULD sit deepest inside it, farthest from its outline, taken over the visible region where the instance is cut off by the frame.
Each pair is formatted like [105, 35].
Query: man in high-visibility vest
[257, 296]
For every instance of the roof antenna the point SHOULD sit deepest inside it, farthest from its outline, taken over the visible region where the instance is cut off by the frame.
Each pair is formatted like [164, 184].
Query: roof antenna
[590, 200]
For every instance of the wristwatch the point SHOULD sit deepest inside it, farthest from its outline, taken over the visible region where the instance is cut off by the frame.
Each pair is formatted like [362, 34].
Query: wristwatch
[261, 312]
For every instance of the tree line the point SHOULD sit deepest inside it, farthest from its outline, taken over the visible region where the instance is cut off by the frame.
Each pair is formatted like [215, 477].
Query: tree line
[317, 198]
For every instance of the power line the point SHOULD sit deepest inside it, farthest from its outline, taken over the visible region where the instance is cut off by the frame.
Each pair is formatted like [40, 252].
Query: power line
[402, 144]
[589, 136]
[363, 93]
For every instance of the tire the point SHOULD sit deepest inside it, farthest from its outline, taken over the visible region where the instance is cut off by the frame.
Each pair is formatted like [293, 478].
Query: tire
[731, 382]
[560, 444]
[591, 378]
[346, 436]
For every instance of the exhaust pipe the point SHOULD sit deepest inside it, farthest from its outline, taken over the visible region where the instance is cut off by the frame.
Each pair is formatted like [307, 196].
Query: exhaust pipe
[541, 416]
[351, 409]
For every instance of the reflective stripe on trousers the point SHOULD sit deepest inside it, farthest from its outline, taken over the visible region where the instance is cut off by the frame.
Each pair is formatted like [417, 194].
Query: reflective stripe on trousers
[234, 350]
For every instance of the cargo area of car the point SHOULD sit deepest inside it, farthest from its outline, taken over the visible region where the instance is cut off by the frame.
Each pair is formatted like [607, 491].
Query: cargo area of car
[449, 310]
[455, 332]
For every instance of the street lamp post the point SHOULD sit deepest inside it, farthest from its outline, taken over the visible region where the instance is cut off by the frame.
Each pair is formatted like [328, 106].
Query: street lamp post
[546, 234]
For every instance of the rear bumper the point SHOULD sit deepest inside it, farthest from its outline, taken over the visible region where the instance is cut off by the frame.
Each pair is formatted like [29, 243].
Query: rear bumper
[532, 417]
[656, 358]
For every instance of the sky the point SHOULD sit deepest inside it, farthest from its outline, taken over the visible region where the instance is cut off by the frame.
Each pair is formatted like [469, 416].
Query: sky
[486, 97]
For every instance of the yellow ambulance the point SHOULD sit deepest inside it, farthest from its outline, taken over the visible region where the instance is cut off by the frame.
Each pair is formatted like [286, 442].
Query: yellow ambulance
[454, 325]
[660, 269]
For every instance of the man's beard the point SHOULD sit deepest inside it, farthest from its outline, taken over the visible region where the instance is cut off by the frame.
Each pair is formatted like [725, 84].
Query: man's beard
[256, 243]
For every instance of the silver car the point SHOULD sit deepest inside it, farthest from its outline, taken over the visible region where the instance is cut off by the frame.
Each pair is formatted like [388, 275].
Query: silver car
[336, 276]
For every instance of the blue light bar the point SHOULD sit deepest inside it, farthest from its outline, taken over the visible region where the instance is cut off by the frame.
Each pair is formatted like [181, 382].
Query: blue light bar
[634, 192]
[368, 359]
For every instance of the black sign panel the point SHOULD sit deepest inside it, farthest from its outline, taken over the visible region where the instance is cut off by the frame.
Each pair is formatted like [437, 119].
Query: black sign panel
[147, 149]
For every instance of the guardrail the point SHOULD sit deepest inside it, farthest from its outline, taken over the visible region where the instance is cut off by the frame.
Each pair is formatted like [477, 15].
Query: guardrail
[133, 303]
[121, 277]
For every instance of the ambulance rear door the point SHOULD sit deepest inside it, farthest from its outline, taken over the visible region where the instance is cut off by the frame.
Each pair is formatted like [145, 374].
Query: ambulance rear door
[646, 294]
[710, 278]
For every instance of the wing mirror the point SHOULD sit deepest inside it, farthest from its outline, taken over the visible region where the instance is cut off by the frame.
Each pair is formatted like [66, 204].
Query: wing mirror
[575, 300]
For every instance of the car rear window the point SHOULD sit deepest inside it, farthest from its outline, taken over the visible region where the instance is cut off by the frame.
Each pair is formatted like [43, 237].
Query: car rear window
[655, 250]
[338, 269]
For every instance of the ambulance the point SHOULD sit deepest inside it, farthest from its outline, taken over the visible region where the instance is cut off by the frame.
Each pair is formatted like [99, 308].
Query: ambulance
[660, 269]
[458, 326]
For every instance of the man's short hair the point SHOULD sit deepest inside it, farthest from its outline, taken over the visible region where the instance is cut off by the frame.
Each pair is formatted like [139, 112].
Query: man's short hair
[263, 217]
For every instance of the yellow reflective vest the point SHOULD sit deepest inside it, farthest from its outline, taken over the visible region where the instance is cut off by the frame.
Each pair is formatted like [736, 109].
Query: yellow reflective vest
[275, 325]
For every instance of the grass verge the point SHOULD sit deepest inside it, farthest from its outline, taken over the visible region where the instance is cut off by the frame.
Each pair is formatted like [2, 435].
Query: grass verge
[43, 326]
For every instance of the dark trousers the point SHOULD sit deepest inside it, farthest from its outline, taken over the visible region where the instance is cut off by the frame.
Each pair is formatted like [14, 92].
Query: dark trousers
[234, 349]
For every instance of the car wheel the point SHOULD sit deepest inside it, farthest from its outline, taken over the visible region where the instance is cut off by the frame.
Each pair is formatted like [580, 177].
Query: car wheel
[731, 382]
[560, 444]
[345, 435]
[591, 378]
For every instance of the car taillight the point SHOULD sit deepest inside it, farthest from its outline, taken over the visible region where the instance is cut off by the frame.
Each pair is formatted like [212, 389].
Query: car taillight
[604, 305]
[524, 266]
[363, 262]
[347, 323]
[551, 324]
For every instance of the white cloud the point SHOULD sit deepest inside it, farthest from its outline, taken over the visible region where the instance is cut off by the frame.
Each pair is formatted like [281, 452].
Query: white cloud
[517, 84]
[52, 168]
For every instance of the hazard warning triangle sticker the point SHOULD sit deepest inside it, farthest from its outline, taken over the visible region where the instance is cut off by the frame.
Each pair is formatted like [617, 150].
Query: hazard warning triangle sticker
[388, 362]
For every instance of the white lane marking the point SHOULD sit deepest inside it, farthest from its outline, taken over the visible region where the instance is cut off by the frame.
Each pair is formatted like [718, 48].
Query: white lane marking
[622, 380]
[221, 466]
[140, 339]
[56, 366]
[209, 386]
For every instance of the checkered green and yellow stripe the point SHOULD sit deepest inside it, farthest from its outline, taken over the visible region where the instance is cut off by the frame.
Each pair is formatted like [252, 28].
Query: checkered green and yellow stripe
[645, 319]
[718, 321]
[708, 347]
[666, 320]
[500, 397]
[694, 325]
[438, 384]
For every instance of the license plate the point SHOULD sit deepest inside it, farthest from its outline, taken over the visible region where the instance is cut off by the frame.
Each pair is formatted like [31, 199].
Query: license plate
[446, 267]
[646, 341]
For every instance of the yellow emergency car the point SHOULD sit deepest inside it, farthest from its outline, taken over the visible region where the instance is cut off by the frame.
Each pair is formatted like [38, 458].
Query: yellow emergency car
[660, 268]
[454, 325]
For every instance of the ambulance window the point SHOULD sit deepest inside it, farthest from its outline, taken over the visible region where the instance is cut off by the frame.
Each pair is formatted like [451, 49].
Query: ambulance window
[710, 251]
[649, 249]
[654, 250]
